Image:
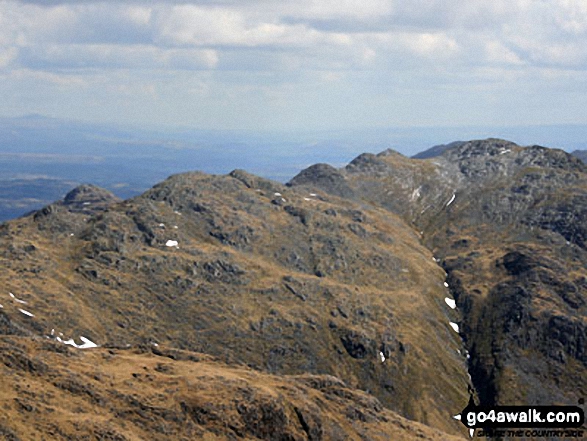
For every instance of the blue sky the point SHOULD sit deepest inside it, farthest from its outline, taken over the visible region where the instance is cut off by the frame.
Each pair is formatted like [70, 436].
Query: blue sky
[296, 65]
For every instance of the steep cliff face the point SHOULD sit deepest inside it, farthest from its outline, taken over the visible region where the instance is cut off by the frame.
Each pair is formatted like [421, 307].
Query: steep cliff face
[282, 280]
[508, 224]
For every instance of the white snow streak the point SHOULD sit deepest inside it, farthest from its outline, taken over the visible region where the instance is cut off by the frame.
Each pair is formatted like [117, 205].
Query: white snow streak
[451, 199]
[87, 343]
[450, 302]
[17, 300]
[26, 312]
[382, 357]
[454, 326]
[445, 285]
[171, 243]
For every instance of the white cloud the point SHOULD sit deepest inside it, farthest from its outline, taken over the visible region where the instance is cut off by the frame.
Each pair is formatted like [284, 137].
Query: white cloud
[229, 50]
[428, 44]
[61, 80]
[497, 52]
[7, 55]
[78, 56]
[336, 9]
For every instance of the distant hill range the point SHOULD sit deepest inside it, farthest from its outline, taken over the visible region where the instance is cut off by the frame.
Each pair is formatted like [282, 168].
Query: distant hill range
[360, 302]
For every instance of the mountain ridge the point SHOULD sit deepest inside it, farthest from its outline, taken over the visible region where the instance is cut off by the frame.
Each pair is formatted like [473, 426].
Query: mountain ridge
[342, 272]
[252, 272]
[488, 201]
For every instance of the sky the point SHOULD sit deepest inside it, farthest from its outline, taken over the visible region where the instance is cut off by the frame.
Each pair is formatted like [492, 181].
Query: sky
[296, 65]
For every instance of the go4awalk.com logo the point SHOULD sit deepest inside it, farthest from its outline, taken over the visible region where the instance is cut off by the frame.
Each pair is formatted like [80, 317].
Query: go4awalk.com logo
[523, 421]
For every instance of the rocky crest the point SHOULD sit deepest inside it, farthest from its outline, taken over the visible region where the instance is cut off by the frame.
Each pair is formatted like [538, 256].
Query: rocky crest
[254, 273]
[508, 224]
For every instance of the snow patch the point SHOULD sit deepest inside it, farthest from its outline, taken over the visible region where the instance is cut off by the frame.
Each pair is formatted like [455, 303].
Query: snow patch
[457, 417]
[87, 343]
[450, 302]
[276, 194]
[17, 300]
[504, 152]
[162, 225]
[445, 284]
[382, 357]
[451, 199]
[26, 312]
[313, 195]
[172, 243]
[454, 326]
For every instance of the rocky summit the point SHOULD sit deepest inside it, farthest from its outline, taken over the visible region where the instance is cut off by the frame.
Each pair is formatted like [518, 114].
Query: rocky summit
[509, 226]
[357, 303]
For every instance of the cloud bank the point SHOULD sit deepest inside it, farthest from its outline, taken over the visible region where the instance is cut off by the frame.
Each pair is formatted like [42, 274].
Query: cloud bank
[294, 64]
